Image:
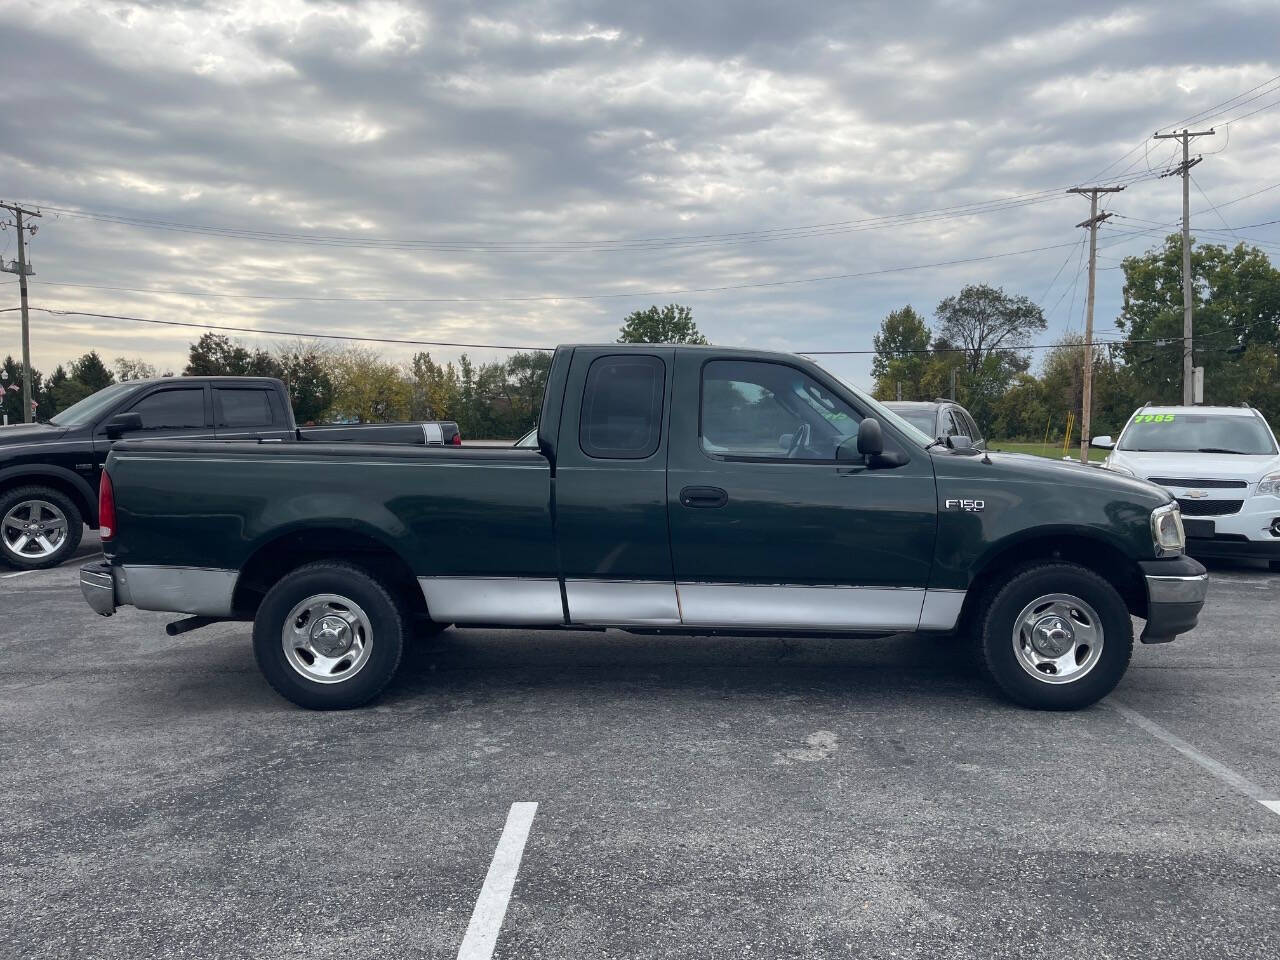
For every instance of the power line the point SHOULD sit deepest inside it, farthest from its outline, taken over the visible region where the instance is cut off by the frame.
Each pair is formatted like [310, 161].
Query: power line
[506, 346]
[582, 296]
[831, 228]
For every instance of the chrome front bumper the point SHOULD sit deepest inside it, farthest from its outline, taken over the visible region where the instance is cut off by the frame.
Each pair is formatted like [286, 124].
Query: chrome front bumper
[1176, 590]
[98, 585]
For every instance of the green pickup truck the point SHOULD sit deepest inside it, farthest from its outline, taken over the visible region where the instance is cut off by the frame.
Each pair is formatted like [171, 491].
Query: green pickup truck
[672, 489]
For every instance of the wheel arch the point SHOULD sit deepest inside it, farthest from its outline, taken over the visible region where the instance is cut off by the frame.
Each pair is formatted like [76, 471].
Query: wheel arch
[279, 556]
[1092, 552]
[58, 478]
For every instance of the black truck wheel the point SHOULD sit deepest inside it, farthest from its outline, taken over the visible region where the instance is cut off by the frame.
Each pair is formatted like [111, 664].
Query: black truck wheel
[329, 636]
[1055, 636]
[40, 527]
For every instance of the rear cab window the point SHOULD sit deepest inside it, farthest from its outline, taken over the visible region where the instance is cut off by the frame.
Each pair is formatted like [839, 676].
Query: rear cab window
[242, 407]
[621, 416]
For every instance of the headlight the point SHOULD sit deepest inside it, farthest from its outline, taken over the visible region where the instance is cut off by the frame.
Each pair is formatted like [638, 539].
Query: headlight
[1166, 530]
[1115, 468]
[1270, 484]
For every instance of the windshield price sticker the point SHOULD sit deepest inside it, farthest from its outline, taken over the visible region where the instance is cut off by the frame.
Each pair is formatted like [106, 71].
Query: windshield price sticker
[1154, 418]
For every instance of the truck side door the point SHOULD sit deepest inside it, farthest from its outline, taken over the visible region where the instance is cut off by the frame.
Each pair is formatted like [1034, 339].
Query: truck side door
[768, 528]
[610, 487]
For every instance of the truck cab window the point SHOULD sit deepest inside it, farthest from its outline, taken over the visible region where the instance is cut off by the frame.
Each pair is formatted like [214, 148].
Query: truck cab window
[242, 408]
[761, 410]
[170, 409]
[622, 408]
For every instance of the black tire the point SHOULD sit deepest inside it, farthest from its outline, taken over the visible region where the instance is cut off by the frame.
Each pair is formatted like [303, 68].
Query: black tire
[387, 627]
[61, 503]
[1002, 664]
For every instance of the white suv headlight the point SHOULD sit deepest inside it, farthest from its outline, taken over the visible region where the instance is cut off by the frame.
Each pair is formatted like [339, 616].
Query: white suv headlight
[1269, 485]
[1116, 468]
[1166, 530]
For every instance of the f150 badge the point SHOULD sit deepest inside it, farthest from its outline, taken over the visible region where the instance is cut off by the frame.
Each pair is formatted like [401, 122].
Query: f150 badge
[973, 506]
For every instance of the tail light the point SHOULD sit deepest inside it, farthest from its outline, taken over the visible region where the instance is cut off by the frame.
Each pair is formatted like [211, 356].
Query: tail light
[457, 439]
[106, 507]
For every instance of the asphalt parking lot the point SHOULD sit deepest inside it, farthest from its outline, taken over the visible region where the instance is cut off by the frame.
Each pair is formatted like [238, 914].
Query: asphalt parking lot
[696, 797]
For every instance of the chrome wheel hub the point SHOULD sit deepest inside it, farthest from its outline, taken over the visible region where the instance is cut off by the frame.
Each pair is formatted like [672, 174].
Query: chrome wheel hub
[33, 529]
[1058, 638]
[327, 638]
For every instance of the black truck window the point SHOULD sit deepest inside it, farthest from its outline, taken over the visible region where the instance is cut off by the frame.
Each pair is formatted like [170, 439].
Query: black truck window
[241, 408]
[170, 409]
[622, 408]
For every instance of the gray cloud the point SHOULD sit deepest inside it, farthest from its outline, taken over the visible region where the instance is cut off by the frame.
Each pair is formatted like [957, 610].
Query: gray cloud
[554, 122]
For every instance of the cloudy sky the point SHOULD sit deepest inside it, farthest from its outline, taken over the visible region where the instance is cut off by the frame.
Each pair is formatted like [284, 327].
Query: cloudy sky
[527, 173]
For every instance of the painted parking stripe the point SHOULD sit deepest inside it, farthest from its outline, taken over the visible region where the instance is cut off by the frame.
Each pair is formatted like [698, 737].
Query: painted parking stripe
[1219, 770]
[491, 907]
[20, 573]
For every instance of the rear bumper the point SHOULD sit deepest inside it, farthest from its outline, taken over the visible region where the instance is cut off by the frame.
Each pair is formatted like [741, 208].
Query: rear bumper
[98, 585]
[1176, 591]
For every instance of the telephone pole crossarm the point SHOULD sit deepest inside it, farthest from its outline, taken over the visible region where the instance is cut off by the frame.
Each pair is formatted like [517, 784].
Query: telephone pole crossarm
[18, 213]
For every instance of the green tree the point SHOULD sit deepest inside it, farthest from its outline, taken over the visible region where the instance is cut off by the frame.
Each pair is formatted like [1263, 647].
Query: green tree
[214, 355]
[92, 372]
[305, 371]
[902, 355]
[11, 384]
[1236, 299]
[670, 324]
[991, 330]
[436, 389]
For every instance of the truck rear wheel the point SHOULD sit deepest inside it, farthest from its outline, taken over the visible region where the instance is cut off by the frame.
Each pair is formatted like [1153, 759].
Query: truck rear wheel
[40, 527]
[329, 636]
[1055, 636]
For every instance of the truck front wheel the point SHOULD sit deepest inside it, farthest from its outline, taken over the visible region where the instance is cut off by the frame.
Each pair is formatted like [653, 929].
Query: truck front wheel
[1055, 636]
[329, 636]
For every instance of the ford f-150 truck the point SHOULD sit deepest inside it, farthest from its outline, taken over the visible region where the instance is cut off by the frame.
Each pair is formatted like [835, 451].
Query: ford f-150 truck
[49, 471]
[673, 489]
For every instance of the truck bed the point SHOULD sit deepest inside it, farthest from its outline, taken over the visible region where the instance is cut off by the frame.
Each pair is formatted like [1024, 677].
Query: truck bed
[449, 511]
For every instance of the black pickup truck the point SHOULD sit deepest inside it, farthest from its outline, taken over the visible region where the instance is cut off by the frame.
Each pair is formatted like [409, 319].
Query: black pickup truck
[672, 489]
[49, 471]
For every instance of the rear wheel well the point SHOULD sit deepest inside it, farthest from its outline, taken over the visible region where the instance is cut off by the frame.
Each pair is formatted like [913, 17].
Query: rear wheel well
[88, 510]
[1097, 555]
[282, 556]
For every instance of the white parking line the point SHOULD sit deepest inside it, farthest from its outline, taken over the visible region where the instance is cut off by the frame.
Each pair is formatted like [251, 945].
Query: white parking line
[491, 907]
[1222, 772]
[20, 573]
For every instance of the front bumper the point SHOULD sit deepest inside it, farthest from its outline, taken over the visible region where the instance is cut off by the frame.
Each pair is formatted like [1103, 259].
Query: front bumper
[1176, 590]
[98, 585]
[1233, 546]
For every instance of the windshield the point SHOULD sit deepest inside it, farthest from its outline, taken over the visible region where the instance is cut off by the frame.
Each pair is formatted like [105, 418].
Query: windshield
[884, 414]
[1197, 433]
[88, 409]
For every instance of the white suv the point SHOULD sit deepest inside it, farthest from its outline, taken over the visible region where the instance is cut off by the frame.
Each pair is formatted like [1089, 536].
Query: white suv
[1223, 466]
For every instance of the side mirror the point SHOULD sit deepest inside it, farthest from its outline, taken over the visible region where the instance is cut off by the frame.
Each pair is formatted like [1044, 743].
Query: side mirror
[958, 441]
[1105, 443]
[785, 441]
[870, 438]
[122, 423]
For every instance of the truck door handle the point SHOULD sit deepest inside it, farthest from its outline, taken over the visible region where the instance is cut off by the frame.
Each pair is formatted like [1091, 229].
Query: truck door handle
[703, 497]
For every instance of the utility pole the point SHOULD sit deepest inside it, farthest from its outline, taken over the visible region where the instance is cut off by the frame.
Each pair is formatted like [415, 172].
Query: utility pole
[1095, 218]
[1188, 394]
[22, 270]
